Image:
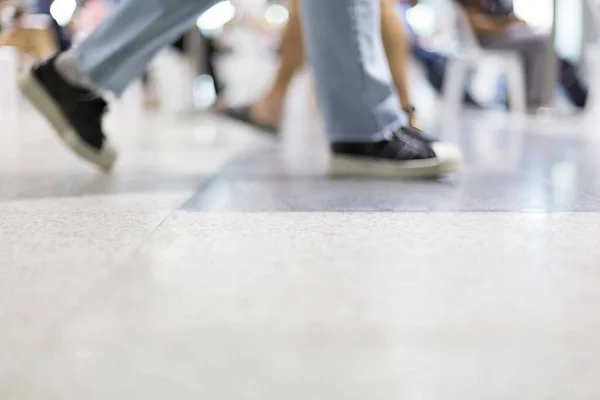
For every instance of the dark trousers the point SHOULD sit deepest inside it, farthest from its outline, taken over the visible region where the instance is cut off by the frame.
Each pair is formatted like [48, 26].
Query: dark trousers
[574, 88]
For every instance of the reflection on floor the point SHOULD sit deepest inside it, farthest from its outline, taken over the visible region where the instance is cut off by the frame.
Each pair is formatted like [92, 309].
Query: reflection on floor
[217, 264]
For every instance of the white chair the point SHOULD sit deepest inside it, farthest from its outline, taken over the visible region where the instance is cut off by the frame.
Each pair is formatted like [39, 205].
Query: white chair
[466, 53]
[9, 66]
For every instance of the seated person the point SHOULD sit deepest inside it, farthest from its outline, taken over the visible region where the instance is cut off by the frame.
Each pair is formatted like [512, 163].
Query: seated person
[497, 27]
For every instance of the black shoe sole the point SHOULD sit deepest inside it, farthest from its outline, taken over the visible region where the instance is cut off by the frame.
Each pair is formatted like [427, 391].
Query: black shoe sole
[37, 95]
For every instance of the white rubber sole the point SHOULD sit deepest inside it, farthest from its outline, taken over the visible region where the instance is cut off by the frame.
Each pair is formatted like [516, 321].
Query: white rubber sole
[43, 102]
[448, 160]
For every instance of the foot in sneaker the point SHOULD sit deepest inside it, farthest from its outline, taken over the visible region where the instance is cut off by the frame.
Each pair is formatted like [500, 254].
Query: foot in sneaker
[74, 112]
[407, 154]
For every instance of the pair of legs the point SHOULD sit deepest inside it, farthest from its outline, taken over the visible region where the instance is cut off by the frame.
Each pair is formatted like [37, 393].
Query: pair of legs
[360, 108]
[268, 110]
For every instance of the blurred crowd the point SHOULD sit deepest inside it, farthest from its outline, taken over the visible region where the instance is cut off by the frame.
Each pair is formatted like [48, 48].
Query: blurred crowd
[42, 27]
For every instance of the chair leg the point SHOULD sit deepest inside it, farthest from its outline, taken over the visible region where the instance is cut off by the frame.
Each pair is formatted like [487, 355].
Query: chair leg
[516, 85]
[454, 83]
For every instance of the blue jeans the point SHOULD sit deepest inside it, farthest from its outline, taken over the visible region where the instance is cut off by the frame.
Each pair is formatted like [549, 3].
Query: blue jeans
[343, 45]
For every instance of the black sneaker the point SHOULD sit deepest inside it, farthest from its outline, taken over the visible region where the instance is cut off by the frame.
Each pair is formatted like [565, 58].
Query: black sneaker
[407, 154]
[75, 113]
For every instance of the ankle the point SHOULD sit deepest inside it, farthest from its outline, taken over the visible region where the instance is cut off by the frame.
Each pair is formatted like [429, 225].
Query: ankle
[411, 114]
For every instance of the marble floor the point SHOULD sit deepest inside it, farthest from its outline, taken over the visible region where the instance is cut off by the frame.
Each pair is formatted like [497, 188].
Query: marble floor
[215, 263]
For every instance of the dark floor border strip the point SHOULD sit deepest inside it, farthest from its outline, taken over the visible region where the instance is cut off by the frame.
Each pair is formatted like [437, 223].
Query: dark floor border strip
[432, 212]
[214, 179]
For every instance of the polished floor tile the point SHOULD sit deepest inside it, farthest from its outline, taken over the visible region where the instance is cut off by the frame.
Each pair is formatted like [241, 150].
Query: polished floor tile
[336, 305]
[266, 181]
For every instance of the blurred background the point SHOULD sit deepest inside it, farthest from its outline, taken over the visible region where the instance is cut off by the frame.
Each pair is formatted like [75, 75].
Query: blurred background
[248, 33]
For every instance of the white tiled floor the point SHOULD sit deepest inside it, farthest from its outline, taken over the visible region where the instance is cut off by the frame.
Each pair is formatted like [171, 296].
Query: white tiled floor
[214, 264]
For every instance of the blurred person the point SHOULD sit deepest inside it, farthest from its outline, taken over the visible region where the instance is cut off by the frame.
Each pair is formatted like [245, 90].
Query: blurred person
[90, 14]
[498, 27]
[62, 35]
[36, 41]
[267, 112]
[354, 86]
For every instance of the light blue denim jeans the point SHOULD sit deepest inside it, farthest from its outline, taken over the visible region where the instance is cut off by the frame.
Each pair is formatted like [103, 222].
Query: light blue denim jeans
[343, 45]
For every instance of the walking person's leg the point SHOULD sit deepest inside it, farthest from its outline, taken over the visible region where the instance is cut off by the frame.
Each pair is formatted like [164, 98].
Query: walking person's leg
[65, 88]
[119, 50]
[397, 47]
[360, 107]
[267, 111]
